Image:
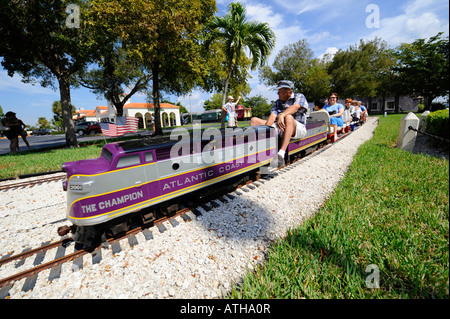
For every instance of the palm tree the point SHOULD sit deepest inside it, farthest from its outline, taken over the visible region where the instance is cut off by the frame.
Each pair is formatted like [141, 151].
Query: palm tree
[238, 34]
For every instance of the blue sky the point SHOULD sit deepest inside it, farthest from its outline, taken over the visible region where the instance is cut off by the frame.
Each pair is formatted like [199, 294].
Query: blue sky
[327, 25]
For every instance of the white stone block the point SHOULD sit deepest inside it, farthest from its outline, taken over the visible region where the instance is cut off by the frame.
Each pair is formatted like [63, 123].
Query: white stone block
[422, 122]
[406, 137]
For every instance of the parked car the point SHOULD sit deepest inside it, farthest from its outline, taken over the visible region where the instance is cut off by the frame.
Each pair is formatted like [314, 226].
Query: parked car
[81, 127]
[41, 131]
[94, 129]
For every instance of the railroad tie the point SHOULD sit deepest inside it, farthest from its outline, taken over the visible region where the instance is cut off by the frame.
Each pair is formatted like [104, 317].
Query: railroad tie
[40, 257]
[132, 240]
[147, 234]
[30, 282]
[116, 248]
[21, 262]
[55, 272]
[161, 228]
[97, 256]
[77, 264]
[173, 222]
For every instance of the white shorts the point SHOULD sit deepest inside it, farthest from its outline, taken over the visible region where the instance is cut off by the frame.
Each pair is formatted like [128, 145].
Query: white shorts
[300, 131]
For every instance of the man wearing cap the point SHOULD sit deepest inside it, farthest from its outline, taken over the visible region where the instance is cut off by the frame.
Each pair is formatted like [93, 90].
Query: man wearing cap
[230, 107]
[287, 116]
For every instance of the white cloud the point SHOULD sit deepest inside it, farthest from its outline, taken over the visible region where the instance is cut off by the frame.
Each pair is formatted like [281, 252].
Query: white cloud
[420, 19]
[330, 51]
[15, 84]
[194, 102]
[286, 31]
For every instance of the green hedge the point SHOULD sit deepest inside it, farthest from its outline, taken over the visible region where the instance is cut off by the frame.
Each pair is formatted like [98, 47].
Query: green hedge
[438, 123]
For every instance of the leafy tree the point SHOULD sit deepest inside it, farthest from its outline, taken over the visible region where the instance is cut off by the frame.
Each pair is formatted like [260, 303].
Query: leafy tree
[216, 71]
[291, 63]
[295, 62]
[360, 70]
[423, 67]
[317, 82]
[163, 36]
[259, 105]
[57, 114]
[41, 41]
[43, 122]
[116, 72]
[214, 103]
[236, 34]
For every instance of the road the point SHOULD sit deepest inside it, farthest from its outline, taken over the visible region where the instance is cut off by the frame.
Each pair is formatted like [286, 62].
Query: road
[43, 141]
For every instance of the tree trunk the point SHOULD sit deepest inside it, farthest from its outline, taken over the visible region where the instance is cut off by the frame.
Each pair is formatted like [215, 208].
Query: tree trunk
[66, 108]
[428, 100]
[155, 72]
[397, 103]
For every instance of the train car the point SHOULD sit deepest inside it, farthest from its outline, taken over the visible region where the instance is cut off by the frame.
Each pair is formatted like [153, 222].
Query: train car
[207, 116]
[334, 134]
[133, 175]
[243, 114]
[316, 134]
[145, 177]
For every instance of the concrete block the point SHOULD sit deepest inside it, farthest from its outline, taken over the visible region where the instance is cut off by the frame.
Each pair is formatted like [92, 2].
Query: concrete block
[422, 122]
[406, 137]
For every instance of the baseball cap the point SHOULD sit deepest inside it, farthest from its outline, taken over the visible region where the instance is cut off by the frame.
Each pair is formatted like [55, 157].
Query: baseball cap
[285, 84]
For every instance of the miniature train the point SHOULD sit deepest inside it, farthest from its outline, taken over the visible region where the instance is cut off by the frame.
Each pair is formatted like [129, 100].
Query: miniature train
[137, 179]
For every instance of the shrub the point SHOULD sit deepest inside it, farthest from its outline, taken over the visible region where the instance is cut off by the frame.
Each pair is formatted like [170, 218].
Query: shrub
[438, 123]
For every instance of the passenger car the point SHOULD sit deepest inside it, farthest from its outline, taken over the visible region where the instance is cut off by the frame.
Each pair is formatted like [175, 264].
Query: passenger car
[41, 131]
[81, 127]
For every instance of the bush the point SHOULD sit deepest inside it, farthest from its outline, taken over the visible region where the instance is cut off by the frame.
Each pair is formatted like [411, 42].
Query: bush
[438, 123]
[437, 106]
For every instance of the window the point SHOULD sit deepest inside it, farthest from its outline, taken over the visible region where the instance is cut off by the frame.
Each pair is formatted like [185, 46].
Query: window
[107, 154]
[129, 160]
[374, 107]
[149, 157]
[390, 105]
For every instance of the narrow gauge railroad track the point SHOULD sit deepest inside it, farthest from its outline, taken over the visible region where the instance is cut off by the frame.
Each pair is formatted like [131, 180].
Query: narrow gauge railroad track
[6, 187]
[60, 258]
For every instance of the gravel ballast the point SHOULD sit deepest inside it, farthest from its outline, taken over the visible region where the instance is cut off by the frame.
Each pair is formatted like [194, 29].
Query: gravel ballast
[200, 258]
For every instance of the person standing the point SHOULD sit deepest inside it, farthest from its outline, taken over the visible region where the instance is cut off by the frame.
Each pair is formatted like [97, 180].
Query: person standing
[23, 133]
[230, 108]
[12, 131]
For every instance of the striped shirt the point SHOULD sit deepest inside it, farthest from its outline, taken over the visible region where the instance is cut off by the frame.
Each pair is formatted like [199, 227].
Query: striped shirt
[300, 116]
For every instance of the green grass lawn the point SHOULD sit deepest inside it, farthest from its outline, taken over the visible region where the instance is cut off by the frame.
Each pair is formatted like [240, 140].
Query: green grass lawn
[13, 165]
[390, 213]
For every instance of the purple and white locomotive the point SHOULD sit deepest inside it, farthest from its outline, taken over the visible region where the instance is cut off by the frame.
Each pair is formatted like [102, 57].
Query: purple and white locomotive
[139, 178]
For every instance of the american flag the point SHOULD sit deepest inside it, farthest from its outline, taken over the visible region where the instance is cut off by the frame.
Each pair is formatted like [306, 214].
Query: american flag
[124, 125]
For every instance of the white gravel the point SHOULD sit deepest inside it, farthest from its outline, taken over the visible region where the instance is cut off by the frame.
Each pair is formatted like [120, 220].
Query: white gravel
[201, 258]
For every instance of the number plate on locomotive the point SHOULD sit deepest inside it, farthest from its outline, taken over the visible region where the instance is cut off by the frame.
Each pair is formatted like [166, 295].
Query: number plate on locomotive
[76, 187]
